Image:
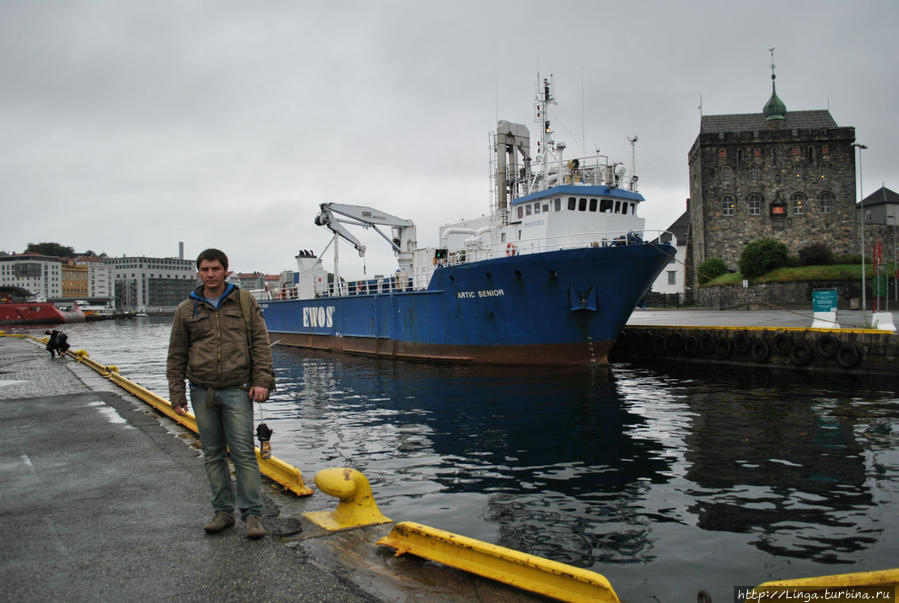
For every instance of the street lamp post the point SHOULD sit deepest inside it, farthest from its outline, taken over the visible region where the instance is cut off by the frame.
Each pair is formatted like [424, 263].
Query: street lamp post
[861, 196]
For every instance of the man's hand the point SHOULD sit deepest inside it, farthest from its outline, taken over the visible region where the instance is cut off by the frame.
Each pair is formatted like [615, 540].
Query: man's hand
[258, 394]
[180, 409]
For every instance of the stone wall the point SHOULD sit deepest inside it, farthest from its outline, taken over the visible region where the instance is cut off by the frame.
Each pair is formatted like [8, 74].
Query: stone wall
[772, 296]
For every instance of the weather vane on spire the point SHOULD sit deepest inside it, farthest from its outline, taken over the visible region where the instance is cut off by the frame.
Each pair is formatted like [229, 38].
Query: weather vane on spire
[771, 50]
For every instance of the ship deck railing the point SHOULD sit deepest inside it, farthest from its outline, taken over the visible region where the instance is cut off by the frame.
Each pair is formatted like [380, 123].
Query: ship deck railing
[570, 241]
[420, 280]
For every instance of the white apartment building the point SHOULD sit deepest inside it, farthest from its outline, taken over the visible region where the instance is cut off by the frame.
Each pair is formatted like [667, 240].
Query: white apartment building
[152, 285]
[40, 275]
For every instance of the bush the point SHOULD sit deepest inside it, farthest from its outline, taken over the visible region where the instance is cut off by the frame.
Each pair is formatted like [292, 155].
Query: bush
[711, 269]
[762, 256]
[816, 254]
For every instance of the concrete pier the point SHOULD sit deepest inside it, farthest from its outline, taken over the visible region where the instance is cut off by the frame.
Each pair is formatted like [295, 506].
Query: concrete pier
[103, 499]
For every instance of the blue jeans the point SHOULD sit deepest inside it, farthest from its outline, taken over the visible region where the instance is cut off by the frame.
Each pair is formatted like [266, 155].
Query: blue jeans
[225, 423]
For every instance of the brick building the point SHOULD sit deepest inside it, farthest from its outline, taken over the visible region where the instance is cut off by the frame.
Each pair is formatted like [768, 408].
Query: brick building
[789, 175]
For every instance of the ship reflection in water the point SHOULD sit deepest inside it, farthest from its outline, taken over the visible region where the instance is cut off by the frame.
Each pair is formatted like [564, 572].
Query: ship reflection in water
[664, 479]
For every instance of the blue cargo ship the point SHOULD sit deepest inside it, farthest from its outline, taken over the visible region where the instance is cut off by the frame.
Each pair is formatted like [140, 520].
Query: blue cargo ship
[549, 277]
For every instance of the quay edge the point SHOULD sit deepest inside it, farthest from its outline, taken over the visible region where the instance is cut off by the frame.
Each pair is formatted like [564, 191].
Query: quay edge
[850, 351]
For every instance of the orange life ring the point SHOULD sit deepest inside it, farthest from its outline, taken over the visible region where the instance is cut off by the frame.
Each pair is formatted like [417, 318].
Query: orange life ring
[510, 249]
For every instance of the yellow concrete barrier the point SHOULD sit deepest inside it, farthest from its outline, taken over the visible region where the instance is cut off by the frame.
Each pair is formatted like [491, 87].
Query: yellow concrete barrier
[357, 505]
[528, 572]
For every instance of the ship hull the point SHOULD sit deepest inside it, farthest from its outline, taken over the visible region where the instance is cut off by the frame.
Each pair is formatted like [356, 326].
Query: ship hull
[28, 313]
[562, 307]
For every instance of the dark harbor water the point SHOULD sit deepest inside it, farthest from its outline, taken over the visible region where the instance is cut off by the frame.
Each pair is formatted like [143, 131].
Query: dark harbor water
[665, 480]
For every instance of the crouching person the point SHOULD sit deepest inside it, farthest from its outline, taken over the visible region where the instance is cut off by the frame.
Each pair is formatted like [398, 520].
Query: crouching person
[227, 361]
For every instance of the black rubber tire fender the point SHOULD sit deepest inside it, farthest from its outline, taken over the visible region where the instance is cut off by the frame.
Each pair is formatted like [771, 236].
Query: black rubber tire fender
[801, 352]
[659, 345]
[827, 346]
[723, 349]
[707, 344]
[848, 355]
[742, 343]
[760, 350]
[675, 343]
[646, 339]
[782, 344]
[691, 346]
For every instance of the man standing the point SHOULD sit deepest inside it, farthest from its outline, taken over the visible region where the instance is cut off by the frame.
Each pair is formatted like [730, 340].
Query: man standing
[224, 353]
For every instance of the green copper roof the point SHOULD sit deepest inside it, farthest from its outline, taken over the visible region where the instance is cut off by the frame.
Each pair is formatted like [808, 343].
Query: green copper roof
[774, 108]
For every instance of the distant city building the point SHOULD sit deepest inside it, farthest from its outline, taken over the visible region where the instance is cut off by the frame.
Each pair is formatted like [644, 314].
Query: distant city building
[39, 275]
[789, 175]
[74, 280]
[100, 285]
[250, 281]
[153, 285]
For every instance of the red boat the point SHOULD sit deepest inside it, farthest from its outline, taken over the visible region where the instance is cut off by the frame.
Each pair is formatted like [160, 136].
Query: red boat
[19, 312]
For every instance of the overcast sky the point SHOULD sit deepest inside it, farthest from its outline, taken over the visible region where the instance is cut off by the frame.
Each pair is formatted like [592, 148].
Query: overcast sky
[126, 126]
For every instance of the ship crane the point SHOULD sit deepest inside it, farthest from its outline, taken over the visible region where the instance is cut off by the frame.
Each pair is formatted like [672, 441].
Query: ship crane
[335, 216]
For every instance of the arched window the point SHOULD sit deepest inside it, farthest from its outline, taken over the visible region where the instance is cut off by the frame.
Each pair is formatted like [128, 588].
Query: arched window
[739, 157]
[755, 174]
[825, 172]
[728, 205]
[798, 204]
[825, 202]
[754, 204]
[727, 174]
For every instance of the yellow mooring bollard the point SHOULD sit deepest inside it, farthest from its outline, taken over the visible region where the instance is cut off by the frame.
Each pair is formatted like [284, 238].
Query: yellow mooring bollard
[357, 505]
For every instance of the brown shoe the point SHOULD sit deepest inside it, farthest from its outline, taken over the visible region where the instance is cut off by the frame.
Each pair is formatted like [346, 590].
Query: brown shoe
[255, 529]
[220, 521]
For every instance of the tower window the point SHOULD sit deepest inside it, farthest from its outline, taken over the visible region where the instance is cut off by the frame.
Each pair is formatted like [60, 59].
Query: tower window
[825, 202]
[727, 205]
[754, 202]
[798, 204]
[727, 174]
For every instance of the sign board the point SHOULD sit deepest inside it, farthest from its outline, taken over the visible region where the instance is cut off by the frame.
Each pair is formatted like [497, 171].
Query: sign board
[824, 300]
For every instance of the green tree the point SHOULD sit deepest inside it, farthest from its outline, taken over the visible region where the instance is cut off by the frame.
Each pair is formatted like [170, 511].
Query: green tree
[816, 254]
[762, 256]
[52, 249]
[711, 269]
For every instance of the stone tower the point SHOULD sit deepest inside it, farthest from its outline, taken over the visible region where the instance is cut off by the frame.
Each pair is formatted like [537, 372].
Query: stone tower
[789, 175]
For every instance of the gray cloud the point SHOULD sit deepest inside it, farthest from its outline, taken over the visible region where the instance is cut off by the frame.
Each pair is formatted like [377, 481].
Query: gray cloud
[129, 126]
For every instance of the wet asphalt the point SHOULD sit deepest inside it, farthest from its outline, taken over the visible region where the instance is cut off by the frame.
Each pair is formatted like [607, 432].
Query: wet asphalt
[102, 501]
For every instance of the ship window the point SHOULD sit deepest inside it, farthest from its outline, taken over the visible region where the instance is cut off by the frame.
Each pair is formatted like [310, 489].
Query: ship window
[520, 212]
[582, 204]
[592, 204]
[606, 206]
[571, 203]
[528, 210]
[536, 208]
[545, 207]
[617, 207]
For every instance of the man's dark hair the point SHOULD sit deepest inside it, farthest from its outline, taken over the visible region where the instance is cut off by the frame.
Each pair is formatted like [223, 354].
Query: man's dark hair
[211, 255]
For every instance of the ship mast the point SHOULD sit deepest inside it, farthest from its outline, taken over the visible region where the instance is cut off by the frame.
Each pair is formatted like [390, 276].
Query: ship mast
[544, 98]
